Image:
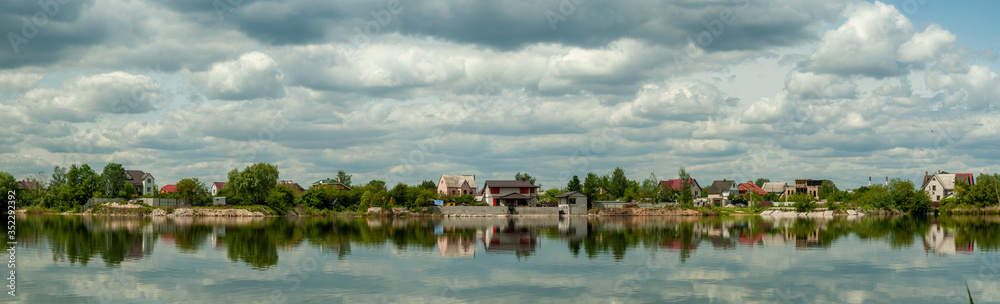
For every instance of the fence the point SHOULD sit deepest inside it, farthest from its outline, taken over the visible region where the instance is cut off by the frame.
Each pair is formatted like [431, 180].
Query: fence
[167, 202]
[619, 204]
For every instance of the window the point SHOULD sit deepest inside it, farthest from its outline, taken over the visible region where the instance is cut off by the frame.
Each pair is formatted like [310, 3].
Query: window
[524, 190]
[494, 190]
[532, 190]
[934, 188]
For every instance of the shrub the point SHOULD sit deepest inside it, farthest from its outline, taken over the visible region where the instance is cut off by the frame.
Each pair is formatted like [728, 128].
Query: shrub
[803, 202]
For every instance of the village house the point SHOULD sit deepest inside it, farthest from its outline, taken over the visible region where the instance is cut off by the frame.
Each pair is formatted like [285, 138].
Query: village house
[216, 187]
[168, 189]
[330, 182]
[748, 187]
[143, 182]
[509, 193]
[775, 188]
[296, 188]
[571, 199]
[676, 184]
[457, 184]
[941, 185]
[720, 190]
[805, 186]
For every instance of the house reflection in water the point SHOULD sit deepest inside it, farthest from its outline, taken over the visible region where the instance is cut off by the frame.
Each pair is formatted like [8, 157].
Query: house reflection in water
[456, 246]
[942, 241]
[518, 240]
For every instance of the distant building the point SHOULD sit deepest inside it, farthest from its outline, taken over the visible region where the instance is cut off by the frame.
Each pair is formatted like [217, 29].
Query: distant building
[29, 185]
[169, 189]
[941, 185]
[572, 199]
[330, 182]
[457, 184]
[775, 188]
[143, 182]
[296, 188]
[720, 191]
[676, 184]
[509, 193]
[216, 187]
[750, 187]
[805, 186]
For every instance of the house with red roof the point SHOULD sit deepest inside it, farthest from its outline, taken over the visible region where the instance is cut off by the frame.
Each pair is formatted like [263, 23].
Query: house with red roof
[941, 185]
[216, 187]
[676, 184]
[751, 187]
[509, 193]
[168, 189]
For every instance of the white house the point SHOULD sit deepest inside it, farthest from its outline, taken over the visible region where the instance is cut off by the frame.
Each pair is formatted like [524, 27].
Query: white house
[942, 184]
[216, 186]
[720, 190]
[509, 193]
[457, 184]
[143, 182]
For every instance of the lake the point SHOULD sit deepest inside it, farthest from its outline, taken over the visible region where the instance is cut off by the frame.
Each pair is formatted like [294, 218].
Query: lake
[749, 259]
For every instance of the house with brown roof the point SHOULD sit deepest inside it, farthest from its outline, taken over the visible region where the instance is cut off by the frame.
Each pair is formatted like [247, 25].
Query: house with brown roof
[216, 187]
[720, 191]
[509, 193]
[676, 184]
[941, 185]
[748, 187]
[143, 182]
[297, 190]
[457, 185]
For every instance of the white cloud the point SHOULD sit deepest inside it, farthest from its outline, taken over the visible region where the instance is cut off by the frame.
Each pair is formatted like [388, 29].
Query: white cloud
[83, 99]
[866, 44]
[253, 75]
[927, 45]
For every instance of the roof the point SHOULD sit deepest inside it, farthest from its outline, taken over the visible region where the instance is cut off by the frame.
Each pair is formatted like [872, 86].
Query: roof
[508, 184]
[330, 181]
[455, 181]
[514, 196]
[752, 187]
[567, 194]
[218, 185]
[135, 177]
[27, 184]
[286, 183]
[774, 187]
[169, 188]
[719, 186]
[676, 183]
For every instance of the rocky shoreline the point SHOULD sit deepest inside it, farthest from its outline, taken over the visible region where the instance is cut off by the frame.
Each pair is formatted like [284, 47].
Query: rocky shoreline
[827, 213]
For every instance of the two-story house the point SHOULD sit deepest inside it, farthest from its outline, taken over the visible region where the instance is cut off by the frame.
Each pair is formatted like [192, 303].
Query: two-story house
[677, 184]
[143, 182]
[720, 190]
[457, 185]
[509, 193]
[942, 184]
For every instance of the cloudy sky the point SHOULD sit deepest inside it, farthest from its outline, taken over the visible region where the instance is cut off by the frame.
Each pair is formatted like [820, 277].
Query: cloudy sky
[405, 91]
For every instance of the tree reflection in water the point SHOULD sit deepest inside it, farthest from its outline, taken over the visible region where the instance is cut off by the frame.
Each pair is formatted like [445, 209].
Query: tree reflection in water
[258, 242]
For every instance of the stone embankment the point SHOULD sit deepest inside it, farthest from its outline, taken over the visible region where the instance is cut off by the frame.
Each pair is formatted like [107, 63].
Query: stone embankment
[827, 213]
[213, 212]
[134, 209]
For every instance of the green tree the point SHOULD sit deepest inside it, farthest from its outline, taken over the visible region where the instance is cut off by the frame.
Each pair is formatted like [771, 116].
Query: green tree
[344, 178]
[651, 189]
[377, 185]
[619, 182]
[280, 198]
[828, 190]
[524, 177]
[428, 185]
[760, 181]
[58, 177]
[574, 184]
[685, 196]
[7, 183]
[194, 190]
[113, 180]
[254, 183]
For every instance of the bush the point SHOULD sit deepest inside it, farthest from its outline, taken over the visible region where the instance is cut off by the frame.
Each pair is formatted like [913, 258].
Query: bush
[803, 202]
[280, 199]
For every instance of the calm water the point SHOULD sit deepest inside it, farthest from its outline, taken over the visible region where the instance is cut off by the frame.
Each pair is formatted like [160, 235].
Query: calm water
[67, 259]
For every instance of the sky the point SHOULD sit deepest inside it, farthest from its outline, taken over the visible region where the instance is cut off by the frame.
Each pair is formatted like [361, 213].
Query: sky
[405, 91]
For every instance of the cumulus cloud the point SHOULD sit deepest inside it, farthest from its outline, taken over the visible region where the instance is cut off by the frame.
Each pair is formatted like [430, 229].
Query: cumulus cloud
[82, 99]
[253, 75]
[927, 45]
[866, 44]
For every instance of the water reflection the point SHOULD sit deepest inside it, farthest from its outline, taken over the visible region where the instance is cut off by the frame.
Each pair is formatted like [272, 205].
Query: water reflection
[258, 242]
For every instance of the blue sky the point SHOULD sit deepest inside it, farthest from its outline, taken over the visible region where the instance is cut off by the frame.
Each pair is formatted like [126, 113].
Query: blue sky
[727, 89]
